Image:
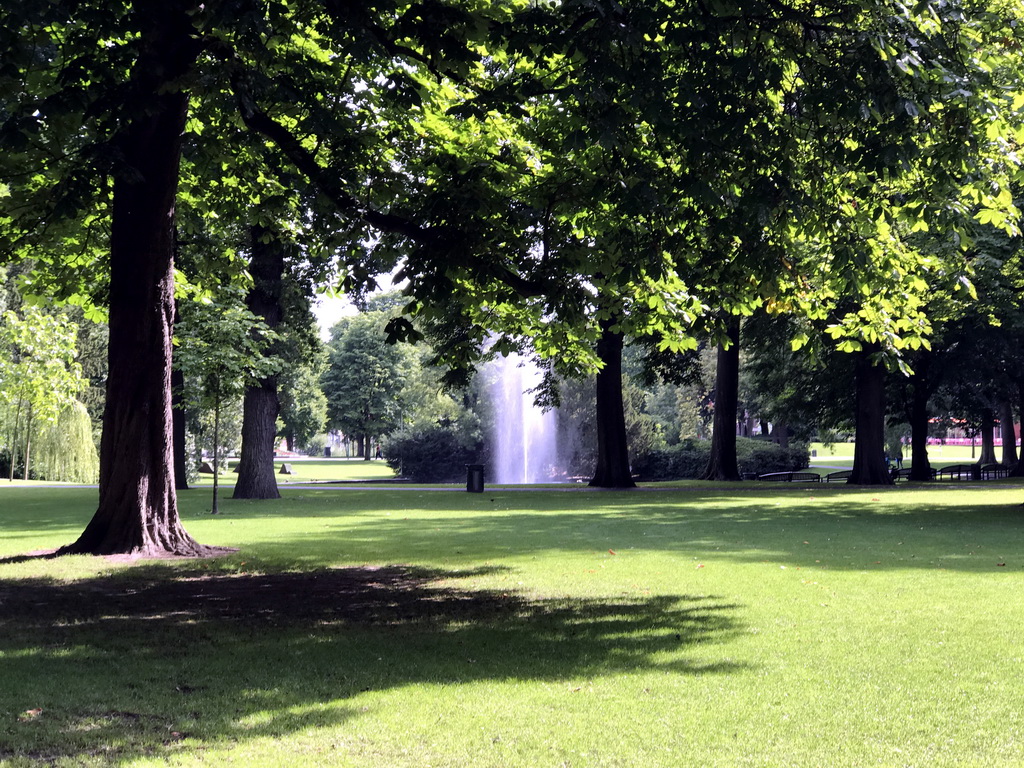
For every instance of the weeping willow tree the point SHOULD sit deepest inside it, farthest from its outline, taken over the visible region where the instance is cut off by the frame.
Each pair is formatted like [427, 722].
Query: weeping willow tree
[39, 378]
[65, 450]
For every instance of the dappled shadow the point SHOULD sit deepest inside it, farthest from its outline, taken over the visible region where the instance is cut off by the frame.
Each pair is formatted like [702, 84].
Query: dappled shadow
[132, 664]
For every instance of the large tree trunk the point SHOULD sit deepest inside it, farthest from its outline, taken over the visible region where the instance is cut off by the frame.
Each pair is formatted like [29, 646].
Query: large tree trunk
[256, 478]
[920, 466]
[781, 434]
[138, 511]
[988, 437]
[1009, 435]
[722, 463]
[869, 451]
[612, 445]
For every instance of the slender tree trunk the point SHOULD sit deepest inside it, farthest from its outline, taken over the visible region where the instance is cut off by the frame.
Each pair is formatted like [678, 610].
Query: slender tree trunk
[138, 511]
[15, 436]
[722, 464]
[988, 437]
[1018, 470]
[612, 469]
[1009, 434]
[28, 442]
[869, 449]
[180, 454]
[256, 478]
[216, 456]
[920, 466]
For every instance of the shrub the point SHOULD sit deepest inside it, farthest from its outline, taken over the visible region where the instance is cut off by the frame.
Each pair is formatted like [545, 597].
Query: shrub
[689, 459]
[432, 454]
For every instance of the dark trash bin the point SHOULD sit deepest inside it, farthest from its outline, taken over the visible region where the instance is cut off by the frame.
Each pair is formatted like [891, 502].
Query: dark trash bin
[327, 452]
[475, 478]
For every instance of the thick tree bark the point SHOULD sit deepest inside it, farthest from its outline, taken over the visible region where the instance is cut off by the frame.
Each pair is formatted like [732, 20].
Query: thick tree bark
[988, 437]
[920, 466]
[869, 451]
[138, 511]
[612, 444]
[1009, 435]
[722, 464]
[781, 434]
[256, 478]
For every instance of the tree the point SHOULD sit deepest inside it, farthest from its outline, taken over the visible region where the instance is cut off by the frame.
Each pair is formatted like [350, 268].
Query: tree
[722, 463]
[784, 167]
[95, 110]
[96, 136]
[613, 470]
[364, 379]
[256, 479]
[222, 345]
[303, 403]
[39, 377]
[65, 449]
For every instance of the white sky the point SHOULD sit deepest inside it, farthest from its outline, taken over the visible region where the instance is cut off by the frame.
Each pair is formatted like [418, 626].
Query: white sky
[329, 310]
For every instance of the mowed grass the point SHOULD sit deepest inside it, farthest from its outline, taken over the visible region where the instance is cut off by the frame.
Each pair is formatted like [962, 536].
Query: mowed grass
[305, 470]
[748, 626]
[841, 454]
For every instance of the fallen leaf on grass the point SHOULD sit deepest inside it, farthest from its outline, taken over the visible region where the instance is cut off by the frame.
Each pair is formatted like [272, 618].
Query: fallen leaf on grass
[29, 714]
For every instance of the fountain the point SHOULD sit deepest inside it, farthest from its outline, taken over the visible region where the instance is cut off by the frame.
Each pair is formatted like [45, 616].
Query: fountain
[524, 435]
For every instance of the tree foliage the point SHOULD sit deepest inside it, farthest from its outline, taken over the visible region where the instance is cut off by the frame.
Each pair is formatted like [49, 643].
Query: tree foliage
[39, 376]
[365, 378]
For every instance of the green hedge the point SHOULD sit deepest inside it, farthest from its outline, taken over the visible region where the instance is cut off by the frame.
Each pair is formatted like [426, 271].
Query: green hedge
[430, 455]
[689, 459]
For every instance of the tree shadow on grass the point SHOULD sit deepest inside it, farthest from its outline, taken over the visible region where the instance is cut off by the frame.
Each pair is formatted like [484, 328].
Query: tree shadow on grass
[162, 658]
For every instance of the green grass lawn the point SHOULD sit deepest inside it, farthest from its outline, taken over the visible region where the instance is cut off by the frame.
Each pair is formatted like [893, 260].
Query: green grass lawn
[317, 470]
[841, 454]
[415, 627]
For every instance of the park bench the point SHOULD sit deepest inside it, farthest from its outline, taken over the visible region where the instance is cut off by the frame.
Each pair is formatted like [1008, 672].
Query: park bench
[991, 471]
[959, 472]
[842, 474]
[791, 477]
[904, 473]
